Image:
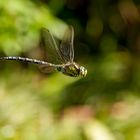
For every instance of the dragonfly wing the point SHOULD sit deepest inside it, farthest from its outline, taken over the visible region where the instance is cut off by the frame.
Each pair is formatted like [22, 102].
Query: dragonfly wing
[46, 69]
[50, 45]
[66, 46]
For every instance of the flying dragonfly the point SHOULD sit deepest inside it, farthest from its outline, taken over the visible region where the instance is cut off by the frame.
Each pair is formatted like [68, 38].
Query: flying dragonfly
[63, 52]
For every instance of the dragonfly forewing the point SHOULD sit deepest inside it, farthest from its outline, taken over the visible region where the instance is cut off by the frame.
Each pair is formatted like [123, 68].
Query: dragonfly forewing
[66, 46]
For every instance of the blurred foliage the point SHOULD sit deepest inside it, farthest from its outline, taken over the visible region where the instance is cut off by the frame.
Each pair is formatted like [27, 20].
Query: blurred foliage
[102, 106]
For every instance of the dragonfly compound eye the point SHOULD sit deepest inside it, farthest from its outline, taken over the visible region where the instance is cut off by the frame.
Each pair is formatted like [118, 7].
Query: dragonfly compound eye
[83, 71]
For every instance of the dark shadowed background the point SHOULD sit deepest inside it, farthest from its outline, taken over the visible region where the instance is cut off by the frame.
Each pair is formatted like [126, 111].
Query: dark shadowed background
[102, 106]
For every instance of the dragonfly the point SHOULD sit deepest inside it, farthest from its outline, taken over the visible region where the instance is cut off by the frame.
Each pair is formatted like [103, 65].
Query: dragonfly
[63, 53]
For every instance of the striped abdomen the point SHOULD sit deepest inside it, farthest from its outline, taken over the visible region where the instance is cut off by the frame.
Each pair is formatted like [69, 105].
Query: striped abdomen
[26, 60]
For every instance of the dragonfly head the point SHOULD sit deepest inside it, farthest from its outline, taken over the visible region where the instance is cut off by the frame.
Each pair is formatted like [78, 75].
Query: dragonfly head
[83, 71]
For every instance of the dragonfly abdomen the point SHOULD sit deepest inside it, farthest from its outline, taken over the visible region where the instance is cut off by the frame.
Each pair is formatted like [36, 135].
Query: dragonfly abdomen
[26, 60]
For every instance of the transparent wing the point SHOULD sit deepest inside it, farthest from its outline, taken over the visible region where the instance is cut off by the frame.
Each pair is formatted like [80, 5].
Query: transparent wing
[46, 69]
[66, 46]
[50, 46]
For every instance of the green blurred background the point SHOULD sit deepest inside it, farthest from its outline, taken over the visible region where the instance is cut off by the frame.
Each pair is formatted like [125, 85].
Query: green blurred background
[105, 105]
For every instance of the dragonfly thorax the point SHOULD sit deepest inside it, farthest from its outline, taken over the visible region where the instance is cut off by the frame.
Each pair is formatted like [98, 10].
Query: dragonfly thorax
[73, 69]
